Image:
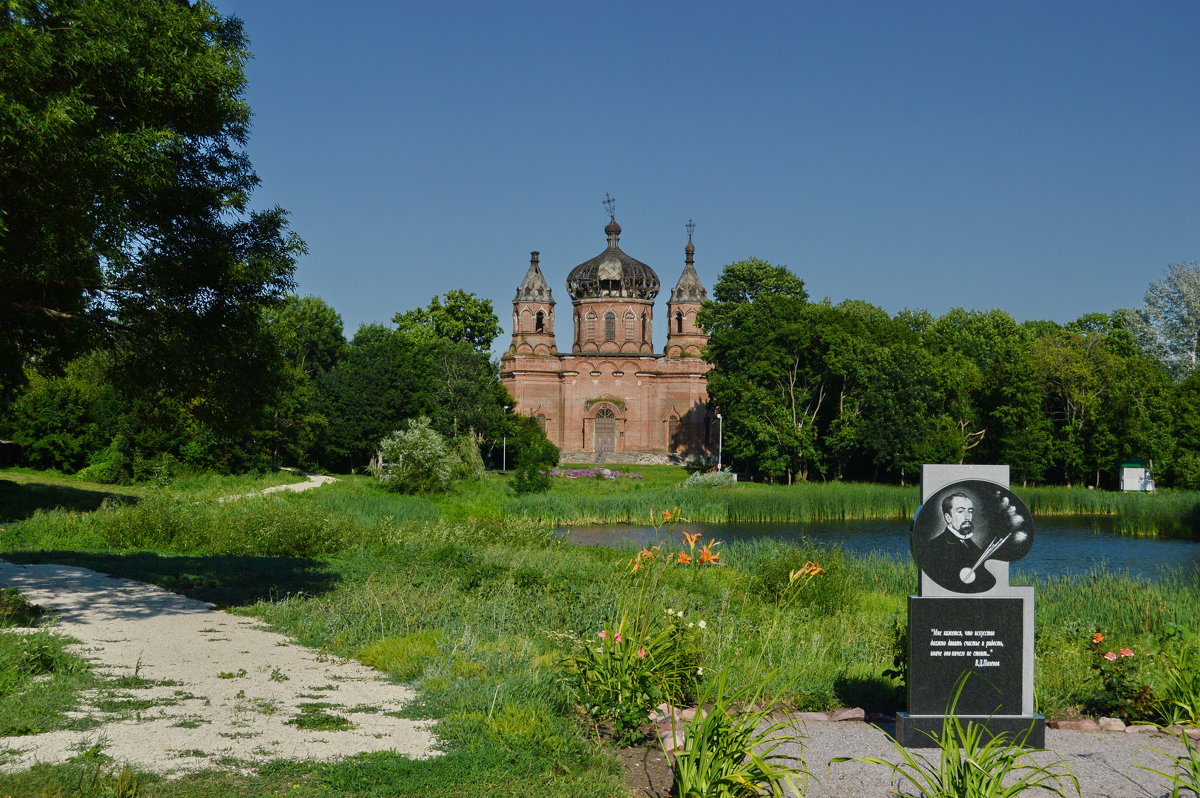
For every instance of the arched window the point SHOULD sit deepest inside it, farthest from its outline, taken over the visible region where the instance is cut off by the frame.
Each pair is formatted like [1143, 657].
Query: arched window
[672, 432]
[610, 326]
[539, 324]
[630, 326]
[591, 327]
[541, 420]
[679, 322]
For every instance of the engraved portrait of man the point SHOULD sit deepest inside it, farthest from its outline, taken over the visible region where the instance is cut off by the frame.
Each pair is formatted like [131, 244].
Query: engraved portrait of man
[965, 526]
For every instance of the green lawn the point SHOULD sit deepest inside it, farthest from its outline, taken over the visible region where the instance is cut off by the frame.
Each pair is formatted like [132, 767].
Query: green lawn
[469, 595]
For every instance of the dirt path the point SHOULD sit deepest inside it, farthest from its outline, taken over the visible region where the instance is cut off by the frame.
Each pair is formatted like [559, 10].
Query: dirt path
[220, 689]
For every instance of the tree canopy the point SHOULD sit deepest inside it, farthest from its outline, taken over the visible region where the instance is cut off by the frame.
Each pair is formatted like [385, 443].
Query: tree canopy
[124, 217]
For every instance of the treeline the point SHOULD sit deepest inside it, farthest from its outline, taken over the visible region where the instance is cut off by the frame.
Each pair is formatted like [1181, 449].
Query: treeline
[146, 324]
[813, 390]
[317, 399]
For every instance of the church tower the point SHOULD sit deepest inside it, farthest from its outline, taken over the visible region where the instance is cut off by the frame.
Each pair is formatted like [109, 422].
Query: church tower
[613, 295]
[684, 336]
[533, 314]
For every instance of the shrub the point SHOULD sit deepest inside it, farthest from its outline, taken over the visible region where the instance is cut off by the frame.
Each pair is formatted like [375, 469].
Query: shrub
[530, 479]
[1124, 694]
[468, 462]
[416, 459]
[714, 479]
[730, 750]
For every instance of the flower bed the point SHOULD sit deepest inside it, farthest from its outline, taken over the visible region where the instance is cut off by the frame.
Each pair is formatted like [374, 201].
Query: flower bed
[592, 473]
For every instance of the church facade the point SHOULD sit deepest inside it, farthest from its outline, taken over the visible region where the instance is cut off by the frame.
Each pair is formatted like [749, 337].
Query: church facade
[613, 399]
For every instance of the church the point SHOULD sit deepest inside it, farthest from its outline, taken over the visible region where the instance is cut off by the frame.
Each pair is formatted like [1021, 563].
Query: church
[612, 399]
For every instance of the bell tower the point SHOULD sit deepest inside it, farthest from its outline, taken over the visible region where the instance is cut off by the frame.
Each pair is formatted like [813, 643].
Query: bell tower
[533, 314]
[684, 336]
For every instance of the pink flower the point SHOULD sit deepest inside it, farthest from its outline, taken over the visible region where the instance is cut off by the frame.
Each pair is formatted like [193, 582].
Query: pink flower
[1110, 656]
[1126, 652]
[617, 637]
[641, 652]
[602, 633]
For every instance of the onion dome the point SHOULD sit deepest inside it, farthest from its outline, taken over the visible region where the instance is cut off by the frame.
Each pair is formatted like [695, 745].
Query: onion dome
[612, 273]
[534, 287]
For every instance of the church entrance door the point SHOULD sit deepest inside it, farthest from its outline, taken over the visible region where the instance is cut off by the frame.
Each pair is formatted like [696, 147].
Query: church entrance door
[605, 431]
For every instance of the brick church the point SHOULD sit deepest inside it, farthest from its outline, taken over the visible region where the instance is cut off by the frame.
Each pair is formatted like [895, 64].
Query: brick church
[612, 399]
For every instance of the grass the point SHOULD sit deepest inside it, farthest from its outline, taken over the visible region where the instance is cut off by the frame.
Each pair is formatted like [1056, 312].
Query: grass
[457, 594]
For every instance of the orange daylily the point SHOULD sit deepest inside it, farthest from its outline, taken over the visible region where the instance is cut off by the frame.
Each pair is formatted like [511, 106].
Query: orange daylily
[707, 556]
[1097, 638]
[683, 558]
[666, 515]
[690, 538]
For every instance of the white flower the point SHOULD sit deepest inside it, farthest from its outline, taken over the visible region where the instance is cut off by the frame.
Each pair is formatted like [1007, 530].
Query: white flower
[690, 625]
[699, 671]
[702, 624]
[670, 611]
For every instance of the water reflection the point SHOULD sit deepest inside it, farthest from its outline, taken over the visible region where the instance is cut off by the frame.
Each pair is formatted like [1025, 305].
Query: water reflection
[1063, 546]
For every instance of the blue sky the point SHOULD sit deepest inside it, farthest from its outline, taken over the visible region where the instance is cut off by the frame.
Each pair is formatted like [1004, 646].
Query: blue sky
[1041, 158]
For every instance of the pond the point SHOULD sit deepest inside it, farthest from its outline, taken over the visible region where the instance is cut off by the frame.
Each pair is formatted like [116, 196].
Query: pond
[1063, 545]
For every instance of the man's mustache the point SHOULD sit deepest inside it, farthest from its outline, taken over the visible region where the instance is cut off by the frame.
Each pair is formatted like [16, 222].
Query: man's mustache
[967, 526]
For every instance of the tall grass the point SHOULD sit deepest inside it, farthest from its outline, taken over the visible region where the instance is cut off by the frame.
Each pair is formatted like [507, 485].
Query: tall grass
[834, 501]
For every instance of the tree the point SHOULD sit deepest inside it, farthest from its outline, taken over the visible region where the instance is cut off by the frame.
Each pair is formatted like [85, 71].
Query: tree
[1168, 326]
[307, 336]
[123, 219]
[463, 317]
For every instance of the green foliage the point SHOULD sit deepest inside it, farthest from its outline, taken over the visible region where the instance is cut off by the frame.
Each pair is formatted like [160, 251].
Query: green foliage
[126, 218]
[730, 747]
[15, 609]
[416, 459]
[468, 462]
[405, 657]
[715, 479]
[1123, 692]
[530, 479]
[462, 317]
[39, 682]
[627, 668]
[1179, 685]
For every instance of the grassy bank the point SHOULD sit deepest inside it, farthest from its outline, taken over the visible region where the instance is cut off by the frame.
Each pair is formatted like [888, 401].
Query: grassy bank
[469, 611]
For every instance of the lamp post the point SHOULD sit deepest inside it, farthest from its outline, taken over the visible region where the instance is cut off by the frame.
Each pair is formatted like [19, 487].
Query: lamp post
[720, 437]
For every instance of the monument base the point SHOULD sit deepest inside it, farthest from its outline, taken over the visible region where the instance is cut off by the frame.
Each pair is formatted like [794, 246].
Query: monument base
[924, 731]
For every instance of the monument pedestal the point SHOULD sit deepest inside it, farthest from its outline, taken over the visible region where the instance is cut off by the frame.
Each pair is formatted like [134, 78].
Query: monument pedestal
[924, 731]
[970, 633]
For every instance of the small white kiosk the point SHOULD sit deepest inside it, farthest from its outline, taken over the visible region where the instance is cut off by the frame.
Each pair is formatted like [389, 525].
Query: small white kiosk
[1135, 475]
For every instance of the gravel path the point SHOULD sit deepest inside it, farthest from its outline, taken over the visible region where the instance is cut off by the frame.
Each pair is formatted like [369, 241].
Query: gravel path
[1104, 762]
[223, 688]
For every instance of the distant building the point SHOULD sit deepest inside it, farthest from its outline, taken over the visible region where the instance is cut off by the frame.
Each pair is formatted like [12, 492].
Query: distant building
[1135, 475]
[613, 399]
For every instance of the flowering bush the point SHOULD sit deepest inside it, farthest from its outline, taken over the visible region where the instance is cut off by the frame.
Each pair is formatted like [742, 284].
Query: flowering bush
[625, 670]
[1123, 693]
[588, 473]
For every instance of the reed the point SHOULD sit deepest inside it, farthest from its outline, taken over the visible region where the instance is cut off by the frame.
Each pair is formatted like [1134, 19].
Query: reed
[833, 501]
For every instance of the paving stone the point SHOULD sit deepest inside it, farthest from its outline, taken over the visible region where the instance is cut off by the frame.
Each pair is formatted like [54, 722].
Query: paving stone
[1085, 725]
[854, 713]
[1111, 724]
